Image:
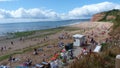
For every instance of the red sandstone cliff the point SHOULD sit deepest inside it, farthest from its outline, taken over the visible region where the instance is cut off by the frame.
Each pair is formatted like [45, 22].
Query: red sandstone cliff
[97, 17]
[102, 17]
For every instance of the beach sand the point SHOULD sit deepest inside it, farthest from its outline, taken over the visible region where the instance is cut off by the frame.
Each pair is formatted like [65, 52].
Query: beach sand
[97, 30]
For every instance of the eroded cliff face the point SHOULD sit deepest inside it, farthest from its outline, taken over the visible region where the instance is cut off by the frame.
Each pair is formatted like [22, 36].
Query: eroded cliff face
[97, 17]
[102, 17]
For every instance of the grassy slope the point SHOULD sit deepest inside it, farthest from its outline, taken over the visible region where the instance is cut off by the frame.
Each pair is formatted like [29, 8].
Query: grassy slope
[113, 12]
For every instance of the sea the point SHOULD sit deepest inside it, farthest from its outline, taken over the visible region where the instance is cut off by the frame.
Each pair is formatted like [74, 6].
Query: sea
[6, 28]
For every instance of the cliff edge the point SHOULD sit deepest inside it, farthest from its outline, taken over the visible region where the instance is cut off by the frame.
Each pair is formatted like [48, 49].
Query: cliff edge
[106, 16]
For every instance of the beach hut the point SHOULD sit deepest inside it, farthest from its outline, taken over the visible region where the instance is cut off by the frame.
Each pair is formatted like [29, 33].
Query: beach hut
[79, 40]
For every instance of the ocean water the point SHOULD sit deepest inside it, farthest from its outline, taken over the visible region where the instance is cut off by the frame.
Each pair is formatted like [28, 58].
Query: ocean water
[29, 26]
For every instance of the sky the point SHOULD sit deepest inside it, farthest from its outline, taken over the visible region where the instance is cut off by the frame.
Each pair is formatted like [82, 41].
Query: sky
[35, 10]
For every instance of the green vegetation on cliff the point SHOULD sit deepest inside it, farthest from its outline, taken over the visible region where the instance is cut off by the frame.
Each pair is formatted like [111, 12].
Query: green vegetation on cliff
[117, 22]
[110, 15]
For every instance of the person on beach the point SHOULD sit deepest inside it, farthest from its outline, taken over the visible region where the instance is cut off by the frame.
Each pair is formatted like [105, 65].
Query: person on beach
[5, 48]
[84, 51]
[44, 57]
[12, 43]
[90, 51]
[1, 49]
[29, 62]
[20, 39]
[12, 59]
[35, 51]
[70, 53]
[92, 40]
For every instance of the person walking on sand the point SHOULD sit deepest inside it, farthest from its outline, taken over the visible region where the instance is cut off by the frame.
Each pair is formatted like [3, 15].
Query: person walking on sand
[12, 43]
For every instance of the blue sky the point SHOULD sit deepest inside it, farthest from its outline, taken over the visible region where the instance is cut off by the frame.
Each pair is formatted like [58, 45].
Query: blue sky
[54, 9]
[61, 6]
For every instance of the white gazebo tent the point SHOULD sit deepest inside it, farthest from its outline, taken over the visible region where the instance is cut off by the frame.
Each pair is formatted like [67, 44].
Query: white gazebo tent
[78, 39]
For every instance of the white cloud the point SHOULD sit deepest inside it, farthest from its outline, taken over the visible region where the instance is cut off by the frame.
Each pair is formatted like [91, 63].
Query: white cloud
[43, 14]
[34, 13]
[89, 10]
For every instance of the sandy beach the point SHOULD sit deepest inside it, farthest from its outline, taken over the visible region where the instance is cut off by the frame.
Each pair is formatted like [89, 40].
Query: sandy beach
[49, 41]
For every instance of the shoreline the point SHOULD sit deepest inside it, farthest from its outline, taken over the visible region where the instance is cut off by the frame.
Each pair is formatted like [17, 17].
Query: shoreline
[42, 27]
[21, 27]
